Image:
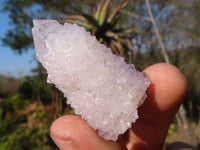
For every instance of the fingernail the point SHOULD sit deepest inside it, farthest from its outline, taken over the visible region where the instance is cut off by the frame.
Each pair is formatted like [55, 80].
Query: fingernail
[64, 144]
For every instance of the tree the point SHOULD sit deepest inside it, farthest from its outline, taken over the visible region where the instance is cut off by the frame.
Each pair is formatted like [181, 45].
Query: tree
[103, 23]
[22, 12]
[8, 85]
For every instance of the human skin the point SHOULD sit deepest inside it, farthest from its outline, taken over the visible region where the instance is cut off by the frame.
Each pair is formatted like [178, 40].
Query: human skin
[165, 94]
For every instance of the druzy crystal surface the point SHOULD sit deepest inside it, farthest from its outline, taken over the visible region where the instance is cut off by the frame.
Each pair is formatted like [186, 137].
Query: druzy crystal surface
[100, 86]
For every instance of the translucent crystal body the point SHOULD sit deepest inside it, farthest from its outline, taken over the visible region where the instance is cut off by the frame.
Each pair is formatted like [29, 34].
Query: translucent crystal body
[101, 87]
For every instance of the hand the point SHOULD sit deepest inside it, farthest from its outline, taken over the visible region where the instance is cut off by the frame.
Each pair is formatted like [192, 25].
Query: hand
[165, 95]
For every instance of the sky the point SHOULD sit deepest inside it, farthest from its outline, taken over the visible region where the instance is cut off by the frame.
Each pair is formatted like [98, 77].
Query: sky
[11, 63]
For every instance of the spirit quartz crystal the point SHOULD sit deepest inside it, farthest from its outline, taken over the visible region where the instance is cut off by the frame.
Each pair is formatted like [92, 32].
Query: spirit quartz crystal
[100, 86]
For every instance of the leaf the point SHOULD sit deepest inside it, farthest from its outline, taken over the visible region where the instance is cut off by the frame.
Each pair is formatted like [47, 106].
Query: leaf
[84, 20]
[116, 11]
[81, 23]
[117, 42]
[124, 31]
[118, 45]
[97, 13]
[114, 49]
[90, 19]
[74, 17]
[115, 21]
[112, 34]
[104, 13]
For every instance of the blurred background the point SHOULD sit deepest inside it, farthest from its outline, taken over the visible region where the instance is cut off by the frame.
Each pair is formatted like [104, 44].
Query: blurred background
[144, 32]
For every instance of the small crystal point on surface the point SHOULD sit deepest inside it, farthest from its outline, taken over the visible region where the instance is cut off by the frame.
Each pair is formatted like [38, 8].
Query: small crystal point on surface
[100, 86]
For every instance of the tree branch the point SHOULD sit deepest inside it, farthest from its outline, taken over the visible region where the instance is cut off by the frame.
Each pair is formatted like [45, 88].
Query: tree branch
[135, 15]
[157, 33]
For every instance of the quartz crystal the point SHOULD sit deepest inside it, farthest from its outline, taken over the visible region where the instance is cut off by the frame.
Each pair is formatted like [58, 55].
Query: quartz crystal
[100, 86]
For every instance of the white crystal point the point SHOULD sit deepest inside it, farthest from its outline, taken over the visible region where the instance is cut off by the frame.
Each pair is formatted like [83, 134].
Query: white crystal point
[100, 86]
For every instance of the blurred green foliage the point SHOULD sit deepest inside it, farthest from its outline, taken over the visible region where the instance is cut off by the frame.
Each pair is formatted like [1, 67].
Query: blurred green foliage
[33, 86]
[172, 128]
[23, 128]
[15, 102]
[8, 86]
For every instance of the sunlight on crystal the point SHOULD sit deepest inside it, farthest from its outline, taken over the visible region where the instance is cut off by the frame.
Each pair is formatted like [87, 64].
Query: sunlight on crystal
[101, 87]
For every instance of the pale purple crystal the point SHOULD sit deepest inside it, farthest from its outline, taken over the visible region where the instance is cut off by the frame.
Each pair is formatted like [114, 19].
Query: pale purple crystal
[100, 86]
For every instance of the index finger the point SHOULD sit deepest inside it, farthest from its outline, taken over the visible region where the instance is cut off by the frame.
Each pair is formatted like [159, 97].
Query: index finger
[165, 95]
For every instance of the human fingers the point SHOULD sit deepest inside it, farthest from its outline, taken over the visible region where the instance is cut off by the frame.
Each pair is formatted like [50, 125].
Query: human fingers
[180, 146]
[73, 133]
[165, 95]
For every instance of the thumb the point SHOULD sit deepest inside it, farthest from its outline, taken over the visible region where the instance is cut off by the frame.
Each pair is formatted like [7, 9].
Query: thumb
[73, 133]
